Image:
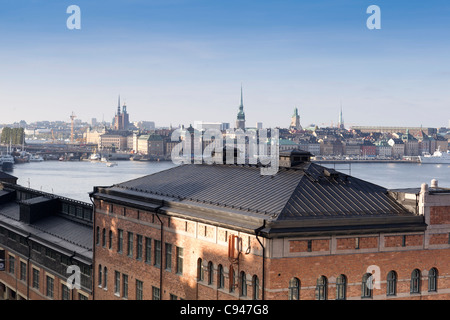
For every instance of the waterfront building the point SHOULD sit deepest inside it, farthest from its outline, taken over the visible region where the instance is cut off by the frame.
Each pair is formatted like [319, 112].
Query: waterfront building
[383, 149]
[411, 144]
[117, 140]
[398, 148]
[352, 147]
[368, 149]
[92, 135]
[227, 232]
[41, 236]
[151, 145]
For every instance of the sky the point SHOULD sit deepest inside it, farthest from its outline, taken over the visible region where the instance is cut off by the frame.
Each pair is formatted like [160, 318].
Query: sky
[180, 61]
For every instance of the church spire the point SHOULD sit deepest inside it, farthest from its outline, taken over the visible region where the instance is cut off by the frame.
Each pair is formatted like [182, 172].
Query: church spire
[118, 106]
[240, 120]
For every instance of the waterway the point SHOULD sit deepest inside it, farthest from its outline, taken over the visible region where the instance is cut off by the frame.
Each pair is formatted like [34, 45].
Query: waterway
[74, 179]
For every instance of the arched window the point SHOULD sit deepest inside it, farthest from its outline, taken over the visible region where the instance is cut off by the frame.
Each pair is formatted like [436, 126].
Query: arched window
[432, 280]
[200, 275]
[322, 288]
[294, 289]
[341, 287]
[243, 284]
[367, 286]
[220, 276]
[391, 283]
[255, 285]
[210, 272]
[232, 279]
[415, 281]
[100, 278]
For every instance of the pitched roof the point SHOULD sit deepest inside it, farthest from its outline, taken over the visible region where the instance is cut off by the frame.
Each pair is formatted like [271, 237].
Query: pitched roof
[308, 192]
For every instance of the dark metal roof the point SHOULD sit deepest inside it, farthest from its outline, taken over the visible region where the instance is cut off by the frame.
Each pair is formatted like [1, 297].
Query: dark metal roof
[307, 191]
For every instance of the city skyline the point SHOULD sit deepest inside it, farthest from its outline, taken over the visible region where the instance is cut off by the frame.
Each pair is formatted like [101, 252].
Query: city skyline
[176, 62]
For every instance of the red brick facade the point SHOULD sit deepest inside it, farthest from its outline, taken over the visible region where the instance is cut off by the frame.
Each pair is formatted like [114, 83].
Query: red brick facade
[285, 258]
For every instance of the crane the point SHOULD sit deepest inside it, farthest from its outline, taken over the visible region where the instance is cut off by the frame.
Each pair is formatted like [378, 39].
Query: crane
[72, 117]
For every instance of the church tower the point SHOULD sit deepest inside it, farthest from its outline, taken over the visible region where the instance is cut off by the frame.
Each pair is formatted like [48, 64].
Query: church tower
[240, 120]
[295, 121]
[341, 120]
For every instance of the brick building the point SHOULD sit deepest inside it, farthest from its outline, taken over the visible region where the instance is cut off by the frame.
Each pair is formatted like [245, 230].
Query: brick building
[227, 232]
[41, 235]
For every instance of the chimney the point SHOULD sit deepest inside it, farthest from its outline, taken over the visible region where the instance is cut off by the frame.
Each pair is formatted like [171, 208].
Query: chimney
[434, 183]
[293, 157]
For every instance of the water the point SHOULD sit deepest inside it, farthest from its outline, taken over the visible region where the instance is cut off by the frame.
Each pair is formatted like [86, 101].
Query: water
[74, 179]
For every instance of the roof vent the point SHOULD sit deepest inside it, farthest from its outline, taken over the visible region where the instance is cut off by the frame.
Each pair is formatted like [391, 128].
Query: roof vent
[293, 157]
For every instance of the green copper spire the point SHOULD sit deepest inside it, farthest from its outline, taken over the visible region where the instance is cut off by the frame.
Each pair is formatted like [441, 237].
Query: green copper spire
[241, 114]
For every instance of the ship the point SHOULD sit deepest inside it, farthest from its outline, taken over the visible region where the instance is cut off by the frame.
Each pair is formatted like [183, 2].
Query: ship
[6, 162]
[438, 157]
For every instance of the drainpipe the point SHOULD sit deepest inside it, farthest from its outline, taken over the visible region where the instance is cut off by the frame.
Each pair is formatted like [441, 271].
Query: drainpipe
[71, 262]
[28, 265]
[93, 248]
[257, 232]
[162, 251]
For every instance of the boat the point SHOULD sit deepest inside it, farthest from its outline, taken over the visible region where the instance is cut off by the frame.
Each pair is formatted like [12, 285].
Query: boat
[111, 164]
[36, 158]
[6, 162]
[438, 157]
[94, 157]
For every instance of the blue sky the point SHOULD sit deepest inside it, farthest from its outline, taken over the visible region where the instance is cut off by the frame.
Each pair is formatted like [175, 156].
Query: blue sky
[178, 61]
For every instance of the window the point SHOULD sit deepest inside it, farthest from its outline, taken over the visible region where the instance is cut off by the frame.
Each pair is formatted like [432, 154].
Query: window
[35, 278]
[117, 283]
[104, 238]
[357, 243]
[148, 250]
[82, 297]
[255, 285]
[120, 241]
[404, 241]
[415, 281]
[157, 253]
[220, 276]
[322, 288]
[23, 271]
[180, 258]
[294, 289]
[367, 286]
[156, 293]
[139, 247]
[105, 278]
[432, 280]
[12, 262]
[65, 295]
[341, 287]
[232, 279]
[125, 285]
[309, 245]
[391, 283]
[243, 284]
[200, 275]
[139, 290]
[130, 244]
[49, 287]
[168, 256]
[100, 278]
[210, 272]
[110, 239]
[97, 242]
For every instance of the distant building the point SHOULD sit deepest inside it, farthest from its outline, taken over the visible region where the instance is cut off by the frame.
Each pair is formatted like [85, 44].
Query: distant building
[240, 119]
[121, 120]
[114, 140]
[151, 145]
[382, 129]
[145, 125]
[295, 121]
[398, 148]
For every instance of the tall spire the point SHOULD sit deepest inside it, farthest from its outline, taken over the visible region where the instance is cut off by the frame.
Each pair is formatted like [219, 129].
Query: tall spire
[242, 99]
[118, 106]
